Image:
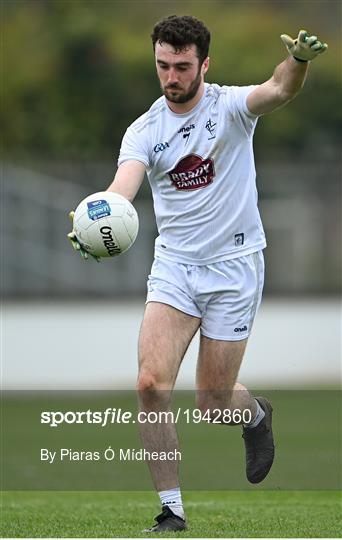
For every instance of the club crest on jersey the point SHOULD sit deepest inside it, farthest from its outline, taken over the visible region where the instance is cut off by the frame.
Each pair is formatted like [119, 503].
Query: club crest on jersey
[192, 172]
[211, 127]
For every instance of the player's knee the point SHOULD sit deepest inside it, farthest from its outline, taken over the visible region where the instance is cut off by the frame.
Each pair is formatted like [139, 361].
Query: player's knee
[147, 382]
[238, 387]
[151, 392]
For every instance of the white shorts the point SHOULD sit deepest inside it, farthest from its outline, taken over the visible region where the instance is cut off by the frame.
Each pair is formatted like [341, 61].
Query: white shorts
[224, 295]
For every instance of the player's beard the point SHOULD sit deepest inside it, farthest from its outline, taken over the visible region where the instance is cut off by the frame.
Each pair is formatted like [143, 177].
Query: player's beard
[183, 97]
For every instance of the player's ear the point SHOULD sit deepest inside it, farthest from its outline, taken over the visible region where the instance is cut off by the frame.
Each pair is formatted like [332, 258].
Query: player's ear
[205, 66]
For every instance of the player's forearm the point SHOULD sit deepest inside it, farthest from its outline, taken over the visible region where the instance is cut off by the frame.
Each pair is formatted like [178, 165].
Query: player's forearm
[128, 179]
[127, 191]
[289, 78]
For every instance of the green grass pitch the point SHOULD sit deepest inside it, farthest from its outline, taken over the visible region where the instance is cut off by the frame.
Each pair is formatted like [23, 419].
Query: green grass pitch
[210, 514]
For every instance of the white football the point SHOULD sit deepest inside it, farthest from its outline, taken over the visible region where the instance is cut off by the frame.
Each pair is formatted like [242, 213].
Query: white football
[106, 224]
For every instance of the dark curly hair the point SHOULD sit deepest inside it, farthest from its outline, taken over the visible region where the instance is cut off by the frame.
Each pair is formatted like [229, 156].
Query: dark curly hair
[181, 32]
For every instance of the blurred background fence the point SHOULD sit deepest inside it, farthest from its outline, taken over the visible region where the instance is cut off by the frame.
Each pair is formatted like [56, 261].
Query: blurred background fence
[76, 74]
[300, 206]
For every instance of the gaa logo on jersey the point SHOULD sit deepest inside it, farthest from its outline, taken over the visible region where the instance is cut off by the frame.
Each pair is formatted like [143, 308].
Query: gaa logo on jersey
[192, 172]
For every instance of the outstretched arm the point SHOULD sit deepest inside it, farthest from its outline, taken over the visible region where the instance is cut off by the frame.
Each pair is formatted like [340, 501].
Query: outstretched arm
[288, 77]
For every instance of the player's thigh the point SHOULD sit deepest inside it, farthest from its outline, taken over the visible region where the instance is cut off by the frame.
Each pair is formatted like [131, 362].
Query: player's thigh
[164, 338]
[218, 364]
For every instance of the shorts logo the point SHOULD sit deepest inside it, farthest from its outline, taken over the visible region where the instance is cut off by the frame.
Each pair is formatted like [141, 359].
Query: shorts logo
[98, 209]
[192, 172]
[239, 239]
[243, 329]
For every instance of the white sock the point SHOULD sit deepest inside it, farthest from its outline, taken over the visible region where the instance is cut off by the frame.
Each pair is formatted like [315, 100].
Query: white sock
[260, 413]
[173, 499]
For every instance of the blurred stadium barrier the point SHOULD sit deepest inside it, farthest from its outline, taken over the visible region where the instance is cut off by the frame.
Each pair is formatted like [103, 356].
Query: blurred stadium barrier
[93, 345]
[299, 205]
[39, 259]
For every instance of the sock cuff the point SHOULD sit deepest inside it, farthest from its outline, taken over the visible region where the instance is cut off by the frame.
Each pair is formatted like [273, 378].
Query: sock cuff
[260, 413]
[173, 499]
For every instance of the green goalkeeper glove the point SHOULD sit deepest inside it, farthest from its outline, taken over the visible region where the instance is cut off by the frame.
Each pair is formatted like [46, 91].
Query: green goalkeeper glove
[304, 47]
[75, 243]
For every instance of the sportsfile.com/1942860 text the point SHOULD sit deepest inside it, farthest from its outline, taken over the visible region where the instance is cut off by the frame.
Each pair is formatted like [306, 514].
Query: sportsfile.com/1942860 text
[120, 416]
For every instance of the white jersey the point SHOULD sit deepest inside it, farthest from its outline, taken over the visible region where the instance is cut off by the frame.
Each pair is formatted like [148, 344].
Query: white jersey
[200, 166]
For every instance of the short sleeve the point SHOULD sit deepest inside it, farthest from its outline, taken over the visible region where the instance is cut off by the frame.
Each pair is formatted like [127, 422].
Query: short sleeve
[134, 146]
[237, 106]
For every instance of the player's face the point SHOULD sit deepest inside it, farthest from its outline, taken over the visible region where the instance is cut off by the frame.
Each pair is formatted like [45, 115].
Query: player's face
[180, 73]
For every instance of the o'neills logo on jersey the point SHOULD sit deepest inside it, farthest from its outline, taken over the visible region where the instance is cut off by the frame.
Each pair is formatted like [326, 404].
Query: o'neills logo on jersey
[192, 172]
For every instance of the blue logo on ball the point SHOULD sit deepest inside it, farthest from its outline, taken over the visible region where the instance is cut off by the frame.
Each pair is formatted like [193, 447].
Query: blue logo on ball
[98, 209]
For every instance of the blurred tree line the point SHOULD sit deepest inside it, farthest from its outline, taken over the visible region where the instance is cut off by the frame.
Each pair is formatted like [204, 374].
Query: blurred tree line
[77, 73]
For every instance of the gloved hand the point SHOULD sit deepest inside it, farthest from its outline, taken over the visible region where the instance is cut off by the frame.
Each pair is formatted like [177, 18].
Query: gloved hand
[75, 243]
[304, 47]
